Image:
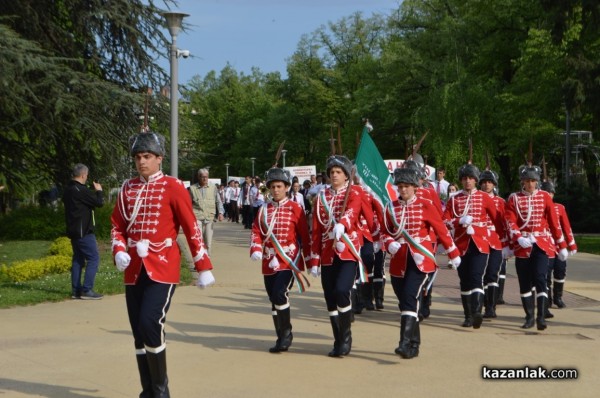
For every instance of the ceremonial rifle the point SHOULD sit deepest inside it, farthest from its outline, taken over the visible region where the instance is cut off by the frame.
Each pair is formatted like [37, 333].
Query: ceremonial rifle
[278, 154]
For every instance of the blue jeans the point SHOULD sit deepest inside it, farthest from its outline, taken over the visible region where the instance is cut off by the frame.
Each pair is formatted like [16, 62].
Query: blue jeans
[84, 249]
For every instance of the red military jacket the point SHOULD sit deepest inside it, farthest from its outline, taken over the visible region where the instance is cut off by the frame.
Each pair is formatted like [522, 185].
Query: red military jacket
[280, 227]
[417, 217]
[497, 238]
[532, 215]
[481, 207]
[327, 212]
[565, 226]
[428, 192]
[152, 211]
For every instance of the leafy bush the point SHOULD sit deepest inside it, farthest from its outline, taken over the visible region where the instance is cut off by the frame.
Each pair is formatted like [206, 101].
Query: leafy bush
[57, 262]
[27, 270]
[61, 246]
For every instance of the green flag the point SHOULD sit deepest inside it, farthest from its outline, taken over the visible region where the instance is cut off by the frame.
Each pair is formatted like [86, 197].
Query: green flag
[372, 171]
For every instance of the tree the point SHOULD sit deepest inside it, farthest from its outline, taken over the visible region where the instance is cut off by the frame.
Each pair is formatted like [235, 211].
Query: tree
[74, 80]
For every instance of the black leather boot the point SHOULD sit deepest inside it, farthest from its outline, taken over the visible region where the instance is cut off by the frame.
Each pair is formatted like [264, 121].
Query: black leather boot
[542, 302]
[356, 300]
[407, 330]
[378, 288]
[415, 342]
[284, 329]
[345, 333]
[558, 293]
[500, 291]
[157, 364]
[528, 306]
[425, 303]
[145, 377]
[490, 302]
[366, 291]
[468, 322]
[335, 327]
[476, 304]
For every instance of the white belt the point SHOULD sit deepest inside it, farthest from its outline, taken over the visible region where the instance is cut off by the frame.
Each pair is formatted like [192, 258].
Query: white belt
[166, 243]
[417, 239]
[286, 249]
[534, 233]
[479, 224]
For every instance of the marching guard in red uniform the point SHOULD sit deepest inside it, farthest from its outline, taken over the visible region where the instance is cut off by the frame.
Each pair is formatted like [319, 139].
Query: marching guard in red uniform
[426, 191]
[335, 247]
[498, 240]
[280, 238]
[556, 267]
[466, 215]
[532, 224]
[146, 219]
[405, 229]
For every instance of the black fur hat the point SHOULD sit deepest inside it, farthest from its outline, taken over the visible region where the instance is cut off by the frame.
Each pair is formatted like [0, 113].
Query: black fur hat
[277, 174]
[548, 187]
[468, 170]
[488, 175]
[339, 161]
[407, 176]
[147, 142]
[530, 173]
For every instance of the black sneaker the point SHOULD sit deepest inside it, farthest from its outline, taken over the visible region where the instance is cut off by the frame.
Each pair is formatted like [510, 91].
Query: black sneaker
[91, 295]
[76, 295]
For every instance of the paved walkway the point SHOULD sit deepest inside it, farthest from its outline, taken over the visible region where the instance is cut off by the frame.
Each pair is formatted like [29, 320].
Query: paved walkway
[218, 340]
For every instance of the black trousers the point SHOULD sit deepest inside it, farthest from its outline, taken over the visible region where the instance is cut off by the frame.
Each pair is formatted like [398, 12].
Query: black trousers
[278, 287]
[368, 257]
[532, 271]
[492, 271]
[247, 216]
[472, 268]
[147, 305]
[409, 288]
[337, 280]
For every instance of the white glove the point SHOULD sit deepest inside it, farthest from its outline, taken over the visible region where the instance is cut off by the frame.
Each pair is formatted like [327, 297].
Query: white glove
[454, 263]
[122, 260]
[466, 220]
[393, 248]
[205, 279]
[572, 252]
[376, 246]
[506, 253]
[338, 231]
[314, 271]
[562, 254]
[255, 256]
[274, 263]
[524, 242]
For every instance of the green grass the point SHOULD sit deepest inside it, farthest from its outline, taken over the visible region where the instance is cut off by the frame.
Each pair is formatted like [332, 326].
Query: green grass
[588, 243]
[52, 288]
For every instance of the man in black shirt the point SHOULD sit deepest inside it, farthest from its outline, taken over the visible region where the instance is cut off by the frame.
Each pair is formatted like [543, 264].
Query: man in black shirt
[79, 204]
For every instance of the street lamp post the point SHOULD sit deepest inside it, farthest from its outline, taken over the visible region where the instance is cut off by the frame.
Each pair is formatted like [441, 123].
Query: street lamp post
[226, 173]
[174, 21]
[283, 152]
[252, 159]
